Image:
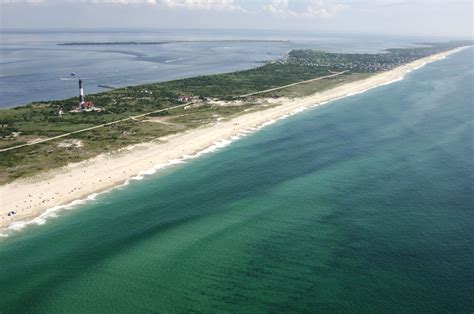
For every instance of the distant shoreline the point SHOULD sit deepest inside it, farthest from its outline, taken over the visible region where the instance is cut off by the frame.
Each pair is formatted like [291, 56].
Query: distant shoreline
[137, 43]
[36, 199]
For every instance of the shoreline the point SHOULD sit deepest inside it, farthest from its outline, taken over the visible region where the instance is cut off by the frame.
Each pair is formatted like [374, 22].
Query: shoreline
[39, 198]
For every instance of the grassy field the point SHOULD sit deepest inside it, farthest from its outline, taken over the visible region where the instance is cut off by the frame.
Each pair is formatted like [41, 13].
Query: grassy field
[309, 88]
[30, 160]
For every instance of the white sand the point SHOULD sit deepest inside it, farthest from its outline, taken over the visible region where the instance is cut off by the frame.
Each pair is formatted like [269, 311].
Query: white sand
[35, 197]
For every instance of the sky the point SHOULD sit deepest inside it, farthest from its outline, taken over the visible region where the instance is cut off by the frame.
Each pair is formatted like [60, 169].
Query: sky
[436, 18]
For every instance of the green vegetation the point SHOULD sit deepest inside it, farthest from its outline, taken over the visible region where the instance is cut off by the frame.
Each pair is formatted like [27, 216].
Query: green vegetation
[30, 160]
[366, 63]
[309, 88]
[41, 120]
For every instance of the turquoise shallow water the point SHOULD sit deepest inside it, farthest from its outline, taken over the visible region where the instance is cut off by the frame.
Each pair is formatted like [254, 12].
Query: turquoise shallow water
[364, 205]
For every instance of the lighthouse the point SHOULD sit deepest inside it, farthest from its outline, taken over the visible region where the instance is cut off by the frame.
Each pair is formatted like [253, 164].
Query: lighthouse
[84, 105]
[81, 93]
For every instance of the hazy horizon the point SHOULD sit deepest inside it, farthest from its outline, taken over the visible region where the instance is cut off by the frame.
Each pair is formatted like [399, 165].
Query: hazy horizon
[132, 30]
[419, 18]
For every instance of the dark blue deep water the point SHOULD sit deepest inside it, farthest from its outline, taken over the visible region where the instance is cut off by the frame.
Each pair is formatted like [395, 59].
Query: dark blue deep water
[365, 205]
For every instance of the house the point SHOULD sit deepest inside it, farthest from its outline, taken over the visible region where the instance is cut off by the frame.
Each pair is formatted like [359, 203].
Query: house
[186, 98]
[88, 105]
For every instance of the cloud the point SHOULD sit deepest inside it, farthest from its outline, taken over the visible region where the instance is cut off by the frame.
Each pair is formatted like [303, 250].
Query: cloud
[22, 1]
[76, 1]
[222, 5]
[228, 5]
[278, 7]
[396, 3]
[120, 1]
[321, 9]
[310, 9]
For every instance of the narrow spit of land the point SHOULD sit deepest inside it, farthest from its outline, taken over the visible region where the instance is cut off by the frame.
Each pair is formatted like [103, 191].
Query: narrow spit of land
[30, 198]
[138, 43]
[36, 138]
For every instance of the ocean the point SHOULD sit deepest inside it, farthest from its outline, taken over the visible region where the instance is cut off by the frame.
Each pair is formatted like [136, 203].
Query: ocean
[33, 67]
[364, 205]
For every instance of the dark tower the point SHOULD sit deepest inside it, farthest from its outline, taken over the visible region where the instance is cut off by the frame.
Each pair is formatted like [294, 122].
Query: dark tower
[81, 93]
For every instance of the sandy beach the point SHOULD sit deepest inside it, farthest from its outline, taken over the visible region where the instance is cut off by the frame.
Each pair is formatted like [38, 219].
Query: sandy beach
[34, 199]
